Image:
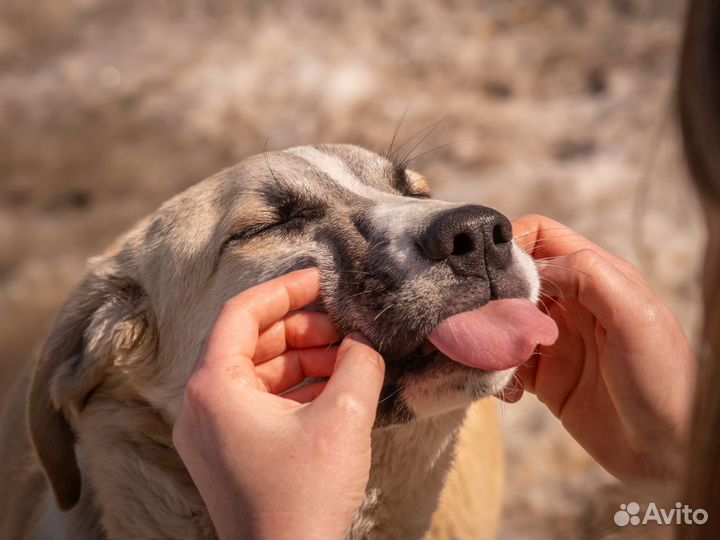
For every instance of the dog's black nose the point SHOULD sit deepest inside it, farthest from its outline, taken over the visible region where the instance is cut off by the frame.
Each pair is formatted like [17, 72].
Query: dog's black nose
[473, 239]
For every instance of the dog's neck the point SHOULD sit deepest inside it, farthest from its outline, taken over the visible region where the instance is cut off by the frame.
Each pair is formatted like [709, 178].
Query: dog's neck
[410, 463]
[144, 491]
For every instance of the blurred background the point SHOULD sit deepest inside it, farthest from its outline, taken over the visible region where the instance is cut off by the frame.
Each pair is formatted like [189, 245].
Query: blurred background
[560, 107]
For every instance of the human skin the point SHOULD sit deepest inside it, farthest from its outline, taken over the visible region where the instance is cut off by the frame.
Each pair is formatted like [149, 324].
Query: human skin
[621, 375]
[271, 466]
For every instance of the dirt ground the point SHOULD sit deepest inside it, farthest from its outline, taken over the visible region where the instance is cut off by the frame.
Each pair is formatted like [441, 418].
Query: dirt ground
[559, 107]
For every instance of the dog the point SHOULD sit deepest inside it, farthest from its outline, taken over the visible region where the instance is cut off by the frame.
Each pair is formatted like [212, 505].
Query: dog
[86, 439]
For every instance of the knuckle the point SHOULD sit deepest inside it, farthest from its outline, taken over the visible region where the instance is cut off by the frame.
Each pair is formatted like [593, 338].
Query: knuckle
[229, 307]
[376, 360]
[655, 313]
[350, 406]
[588, 261]
[587, 258]
[196, 393]
[178, 433]
[633, 272]
[369, 357]
[232, 304]
[346, 346]
[626, 265]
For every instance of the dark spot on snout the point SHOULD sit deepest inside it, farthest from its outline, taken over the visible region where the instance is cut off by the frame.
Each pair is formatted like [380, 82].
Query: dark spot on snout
[474, 240]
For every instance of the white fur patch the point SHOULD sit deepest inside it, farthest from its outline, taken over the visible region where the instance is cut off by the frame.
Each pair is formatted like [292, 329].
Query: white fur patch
[525, 264]
[336, 169]
[431, 396]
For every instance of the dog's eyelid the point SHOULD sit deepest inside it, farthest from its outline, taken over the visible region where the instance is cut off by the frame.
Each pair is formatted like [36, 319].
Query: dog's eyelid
[295, 214]
[242, 235]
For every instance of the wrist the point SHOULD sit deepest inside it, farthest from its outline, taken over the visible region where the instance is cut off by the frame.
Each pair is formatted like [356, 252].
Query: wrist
[290, 530]
[287, 525]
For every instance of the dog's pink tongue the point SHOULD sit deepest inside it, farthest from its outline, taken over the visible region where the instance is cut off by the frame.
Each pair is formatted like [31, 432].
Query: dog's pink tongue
[500, 335]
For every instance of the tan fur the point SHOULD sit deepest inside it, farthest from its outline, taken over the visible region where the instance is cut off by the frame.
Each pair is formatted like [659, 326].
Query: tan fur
[90, 432]
[469, 505]
[27, 505]
[471, 500]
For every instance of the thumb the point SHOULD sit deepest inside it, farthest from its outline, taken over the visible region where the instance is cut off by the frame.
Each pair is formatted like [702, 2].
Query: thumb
[356, 381]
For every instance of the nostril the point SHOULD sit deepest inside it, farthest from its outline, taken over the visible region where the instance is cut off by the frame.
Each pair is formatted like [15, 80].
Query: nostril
[501, 234]
[462, 244]
[473, 239]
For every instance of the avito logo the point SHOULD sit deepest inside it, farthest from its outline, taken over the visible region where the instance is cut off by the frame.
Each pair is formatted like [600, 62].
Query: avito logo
[629, 514]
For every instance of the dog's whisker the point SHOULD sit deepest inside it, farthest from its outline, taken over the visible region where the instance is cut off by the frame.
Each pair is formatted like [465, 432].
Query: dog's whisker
[267, 160]
[341, 271]
[545, 242]
[432, 126]
[541, 244]
[565, 234]
[545, 279]
[530, 246]
[438, 148]
[382, 311]
[543, 305]
[357, 295]
[586, 274]
[545, 229]
[552, 299]
[426, 132]
[391, 394]
[398, 125]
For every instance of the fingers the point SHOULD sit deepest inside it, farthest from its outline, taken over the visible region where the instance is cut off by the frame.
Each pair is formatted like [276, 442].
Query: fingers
[294, 366]
[235, 332]
[298, 330]
[355, 384]
[273, 299]
[600, 287]
[545, 238]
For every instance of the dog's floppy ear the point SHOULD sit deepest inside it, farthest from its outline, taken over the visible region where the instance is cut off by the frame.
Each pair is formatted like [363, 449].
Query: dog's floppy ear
[106, 319]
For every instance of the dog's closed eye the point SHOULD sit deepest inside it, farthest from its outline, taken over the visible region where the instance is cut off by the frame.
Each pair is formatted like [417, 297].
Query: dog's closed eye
[286, 220]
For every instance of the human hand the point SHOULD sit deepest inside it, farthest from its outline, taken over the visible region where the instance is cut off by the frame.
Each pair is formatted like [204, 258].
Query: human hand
[294, 465]
[621, 375]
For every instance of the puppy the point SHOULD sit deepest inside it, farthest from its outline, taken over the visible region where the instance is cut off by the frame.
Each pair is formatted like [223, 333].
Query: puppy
[110, 379]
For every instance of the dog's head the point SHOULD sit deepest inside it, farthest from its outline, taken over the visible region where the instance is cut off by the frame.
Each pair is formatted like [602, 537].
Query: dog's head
[394, 264]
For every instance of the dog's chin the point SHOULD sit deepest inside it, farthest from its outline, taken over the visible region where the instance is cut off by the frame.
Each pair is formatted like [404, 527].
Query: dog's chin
[431, 385]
